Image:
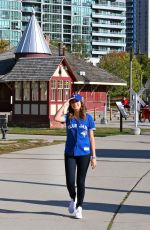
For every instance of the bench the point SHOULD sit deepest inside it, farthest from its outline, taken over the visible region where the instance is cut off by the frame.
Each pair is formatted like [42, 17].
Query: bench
[3, 125]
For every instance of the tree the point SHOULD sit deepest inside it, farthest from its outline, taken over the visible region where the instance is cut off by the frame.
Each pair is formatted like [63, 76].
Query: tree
[4, 45]
[119, 64]
[55, 42]
[79, 48]
[145, 66]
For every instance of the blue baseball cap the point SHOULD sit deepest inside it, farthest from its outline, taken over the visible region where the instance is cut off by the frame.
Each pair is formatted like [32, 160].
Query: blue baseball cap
[76, 97]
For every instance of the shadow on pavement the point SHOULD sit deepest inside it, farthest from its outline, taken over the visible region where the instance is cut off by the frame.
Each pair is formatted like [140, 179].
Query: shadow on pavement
[61, 185]
[37, 213]
[102, 207]
[119, 153]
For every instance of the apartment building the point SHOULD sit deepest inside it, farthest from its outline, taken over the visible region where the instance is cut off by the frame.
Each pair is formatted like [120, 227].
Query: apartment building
[68, 21]
[130, 22]
[27, 8]
[10, 21]
[101, 25]
[143, 27]
[108, 27]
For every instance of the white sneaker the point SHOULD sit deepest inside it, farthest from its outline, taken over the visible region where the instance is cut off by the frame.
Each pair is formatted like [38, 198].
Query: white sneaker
[78, 213]
[72, 206]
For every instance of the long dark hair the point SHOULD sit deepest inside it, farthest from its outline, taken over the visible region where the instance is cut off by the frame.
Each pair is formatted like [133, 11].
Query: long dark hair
[82, 112]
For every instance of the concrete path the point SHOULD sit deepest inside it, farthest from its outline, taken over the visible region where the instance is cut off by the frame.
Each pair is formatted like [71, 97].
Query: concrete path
[33, 195]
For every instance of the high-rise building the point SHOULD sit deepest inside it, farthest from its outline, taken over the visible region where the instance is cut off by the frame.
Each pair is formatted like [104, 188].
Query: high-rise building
[10, 21]
[27, 8]
[68, 21]
[129, 24]
[108, 26]
[143, 27]
[95, 27]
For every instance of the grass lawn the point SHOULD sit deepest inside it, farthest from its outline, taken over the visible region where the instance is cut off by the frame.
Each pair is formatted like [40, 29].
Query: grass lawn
[8, 146]
[100, 132]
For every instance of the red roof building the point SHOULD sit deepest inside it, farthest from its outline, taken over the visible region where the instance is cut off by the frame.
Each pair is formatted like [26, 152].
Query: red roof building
[38, 79]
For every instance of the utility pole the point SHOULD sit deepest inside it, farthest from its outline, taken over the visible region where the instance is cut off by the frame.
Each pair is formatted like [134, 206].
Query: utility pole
[130, 78]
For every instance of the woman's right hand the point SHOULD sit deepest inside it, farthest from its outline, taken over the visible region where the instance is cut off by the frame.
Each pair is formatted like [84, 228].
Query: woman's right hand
[66, 104]
[59, 116]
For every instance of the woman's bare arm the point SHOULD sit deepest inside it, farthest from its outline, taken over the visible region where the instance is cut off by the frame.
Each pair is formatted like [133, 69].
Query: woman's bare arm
[59, 116]
[93, 151]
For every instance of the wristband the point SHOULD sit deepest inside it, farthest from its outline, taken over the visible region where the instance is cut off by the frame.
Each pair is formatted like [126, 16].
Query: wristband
[93, 157]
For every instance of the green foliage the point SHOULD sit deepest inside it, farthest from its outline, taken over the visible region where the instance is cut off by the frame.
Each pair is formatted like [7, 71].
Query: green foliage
[55, 42]
[119, 65]
[4, 45]
[145, 66]
[79, 48]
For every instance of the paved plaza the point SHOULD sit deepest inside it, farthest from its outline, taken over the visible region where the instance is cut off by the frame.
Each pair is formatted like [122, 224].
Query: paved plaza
[33, 193]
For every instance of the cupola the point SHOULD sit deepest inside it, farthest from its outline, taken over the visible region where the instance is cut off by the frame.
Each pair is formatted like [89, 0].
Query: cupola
[32, 42]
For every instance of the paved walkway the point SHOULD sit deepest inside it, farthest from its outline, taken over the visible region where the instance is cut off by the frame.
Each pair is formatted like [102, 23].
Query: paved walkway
[33, 195]
[129, 123]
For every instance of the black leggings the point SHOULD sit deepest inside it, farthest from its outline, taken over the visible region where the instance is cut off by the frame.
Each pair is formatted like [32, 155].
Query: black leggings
[81, 163]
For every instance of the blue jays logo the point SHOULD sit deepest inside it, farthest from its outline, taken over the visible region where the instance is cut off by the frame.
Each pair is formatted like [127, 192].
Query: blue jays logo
[84, 133]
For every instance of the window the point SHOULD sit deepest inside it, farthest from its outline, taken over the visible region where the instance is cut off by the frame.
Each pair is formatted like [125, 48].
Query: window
[18, 91]
[60, 90]
[26, 91]
[43, 91]
[66, 90]
[35, 91]
[53, 90]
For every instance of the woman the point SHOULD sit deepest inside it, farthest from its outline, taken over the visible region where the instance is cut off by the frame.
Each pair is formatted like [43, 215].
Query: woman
[79, 149]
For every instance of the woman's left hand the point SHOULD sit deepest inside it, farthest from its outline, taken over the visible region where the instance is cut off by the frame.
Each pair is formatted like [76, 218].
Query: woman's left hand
[93, 163]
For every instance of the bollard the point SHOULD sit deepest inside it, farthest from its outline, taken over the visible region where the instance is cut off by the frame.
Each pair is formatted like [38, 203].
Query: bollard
[3, 133]
[94, 114]
[121, 122]
[110, 114]
[3, 126]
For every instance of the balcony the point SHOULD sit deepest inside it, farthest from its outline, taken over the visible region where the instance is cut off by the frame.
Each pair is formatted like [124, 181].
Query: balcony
[51, 2]
[109, 7]
[65, 21]
[32, 1]
[109, 15]
[67, 31]
[99, 52]
[109, 25]
[27, 18]
[67, 40]
[30, 9]
[68, 12]
[110, 34]
[108, 43]
[67, 3]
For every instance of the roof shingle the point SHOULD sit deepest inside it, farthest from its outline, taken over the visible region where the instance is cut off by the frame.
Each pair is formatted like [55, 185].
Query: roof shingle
[31, 68]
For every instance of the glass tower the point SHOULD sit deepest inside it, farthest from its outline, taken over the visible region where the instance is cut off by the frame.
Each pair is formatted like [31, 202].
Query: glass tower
[108, 26]
[95, 27]
[143, 26]
[27, 8]
[129, 24]
[10, 21]
[68, 21]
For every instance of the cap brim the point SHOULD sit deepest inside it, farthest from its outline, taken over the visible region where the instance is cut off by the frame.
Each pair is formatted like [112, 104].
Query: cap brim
[73, 99]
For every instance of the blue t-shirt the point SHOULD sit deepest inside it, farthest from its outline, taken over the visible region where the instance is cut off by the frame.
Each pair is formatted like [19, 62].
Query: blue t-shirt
[78, 139]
